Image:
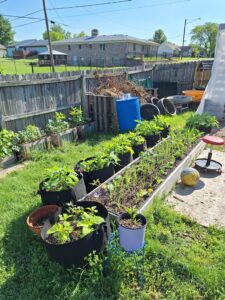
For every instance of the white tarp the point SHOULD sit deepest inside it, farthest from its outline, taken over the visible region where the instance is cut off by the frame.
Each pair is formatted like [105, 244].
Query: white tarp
[213, 100]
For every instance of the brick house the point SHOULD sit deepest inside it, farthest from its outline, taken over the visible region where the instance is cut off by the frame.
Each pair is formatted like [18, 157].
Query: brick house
[106, 50]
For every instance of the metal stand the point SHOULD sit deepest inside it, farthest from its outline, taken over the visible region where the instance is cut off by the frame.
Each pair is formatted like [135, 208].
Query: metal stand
[208, 164]
[114, 248]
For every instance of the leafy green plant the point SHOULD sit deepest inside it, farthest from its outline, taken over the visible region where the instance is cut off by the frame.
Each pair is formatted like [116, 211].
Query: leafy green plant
[135, 139]
[146, 128]
[58, 124]
[7, 143]
[119, 145]
[75, 224]
[77, 116]
[30, 134]
[162, 121]
[60, 179]
[132, 212]
[99, 162]
[200, 121]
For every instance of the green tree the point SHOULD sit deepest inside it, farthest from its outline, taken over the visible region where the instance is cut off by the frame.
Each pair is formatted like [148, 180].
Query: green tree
[57, 33]
[81, 34]
[204, 36]
[159, 36]
[196, 50]
[6, 32]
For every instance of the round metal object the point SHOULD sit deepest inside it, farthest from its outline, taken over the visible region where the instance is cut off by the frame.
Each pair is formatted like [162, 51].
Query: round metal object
[213, 166]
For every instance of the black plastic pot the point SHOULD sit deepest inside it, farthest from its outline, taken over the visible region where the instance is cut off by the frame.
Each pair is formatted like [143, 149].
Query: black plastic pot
[62, 197]
[148, 111]
[101, 175]
[165, 132]
[152, 140]
[154, 100]
[166, 107]
[205, 129]
[74, 253]
[138, 149]
[124, 159]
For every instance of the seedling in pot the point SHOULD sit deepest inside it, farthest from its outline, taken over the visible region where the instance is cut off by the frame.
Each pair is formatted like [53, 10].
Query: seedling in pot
[98, 162]
[132, 221]
[58, 124]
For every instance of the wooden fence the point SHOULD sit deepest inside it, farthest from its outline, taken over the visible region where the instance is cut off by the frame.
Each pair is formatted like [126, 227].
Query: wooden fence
[34, 98]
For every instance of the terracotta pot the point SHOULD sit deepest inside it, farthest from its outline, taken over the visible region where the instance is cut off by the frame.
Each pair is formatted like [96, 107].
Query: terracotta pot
[38, 214]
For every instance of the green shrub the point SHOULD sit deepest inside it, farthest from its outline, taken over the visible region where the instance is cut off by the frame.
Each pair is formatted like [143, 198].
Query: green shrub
[146, 128]
[77, 116]
[135, 139]
[30, 134]
[203, 120]
[58, 124]
[7, 143]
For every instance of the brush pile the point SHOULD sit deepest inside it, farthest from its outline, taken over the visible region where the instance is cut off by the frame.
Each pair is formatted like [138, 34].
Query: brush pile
[116, 86]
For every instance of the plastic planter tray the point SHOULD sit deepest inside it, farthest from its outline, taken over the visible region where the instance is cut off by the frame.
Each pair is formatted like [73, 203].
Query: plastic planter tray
[166, 186]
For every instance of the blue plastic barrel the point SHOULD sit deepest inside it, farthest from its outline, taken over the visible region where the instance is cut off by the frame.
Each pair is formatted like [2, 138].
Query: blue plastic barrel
[128, 111]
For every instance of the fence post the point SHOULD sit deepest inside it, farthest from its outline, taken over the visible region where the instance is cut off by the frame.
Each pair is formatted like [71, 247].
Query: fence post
[84, 99]
[2, 122]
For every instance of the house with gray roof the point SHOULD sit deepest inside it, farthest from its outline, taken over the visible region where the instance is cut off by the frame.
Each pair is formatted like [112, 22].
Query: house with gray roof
[2, 51]
[106, 50]
[168, 49]
[27, 48]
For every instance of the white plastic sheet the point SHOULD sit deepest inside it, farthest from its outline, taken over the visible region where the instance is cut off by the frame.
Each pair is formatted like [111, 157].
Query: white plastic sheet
[213, 100]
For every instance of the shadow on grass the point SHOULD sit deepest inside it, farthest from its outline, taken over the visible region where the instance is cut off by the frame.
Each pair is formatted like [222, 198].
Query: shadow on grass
[30, 274]
[97, 137]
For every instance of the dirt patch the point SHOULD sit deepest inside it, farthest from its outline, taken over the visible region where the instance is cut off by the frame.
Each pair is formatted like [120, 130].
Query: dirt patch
[205, 202]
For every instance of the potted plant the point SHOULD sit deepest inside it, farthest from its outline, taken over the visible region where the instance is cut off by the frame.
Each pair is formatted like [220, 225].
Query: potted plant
[61, 186]
[164, 123]
[30, 138]
[204, 122]
[82, 124]
[150, 131]
[59, 130]
[8, 147]
[131, 230]
[76, 232]
[36, 219]
[121, 146]
[97, 169]
[138, 143]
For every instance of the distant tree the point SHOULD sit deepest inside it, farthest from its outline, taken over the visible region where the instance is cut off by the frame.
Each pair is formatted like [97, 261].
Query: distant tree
[81, 34]
[204, 36]
[159, 36]
[57, 33]
[6, 32]
[196, 50]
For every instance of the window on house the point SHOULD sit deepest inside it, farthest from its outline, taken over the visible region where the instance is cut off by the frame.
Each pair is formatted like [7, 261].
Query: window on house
[143, 48]
[102, 47]
[69, 47]
[90, 46]
[134, 47]
[80, 46]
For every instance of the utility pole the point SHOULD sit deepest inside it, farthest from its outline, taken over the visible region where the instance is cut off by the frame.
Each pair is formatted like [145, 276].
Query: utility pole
[185, 24]
[49, 37]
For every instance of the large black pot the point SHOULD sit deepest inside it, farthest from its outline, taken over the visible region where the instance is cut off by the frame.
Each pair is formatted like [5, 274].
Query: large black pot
[138, 149]
[166, 107]
[165, 132]
[62, 197]
[148, 111]
[101, 175]
[124, 159]
[152, 140]
[74, 253]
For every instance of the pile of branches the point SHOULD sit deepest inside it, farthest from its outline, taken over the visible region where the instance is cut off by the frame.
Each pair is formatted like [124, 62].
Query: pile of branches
[116, 86]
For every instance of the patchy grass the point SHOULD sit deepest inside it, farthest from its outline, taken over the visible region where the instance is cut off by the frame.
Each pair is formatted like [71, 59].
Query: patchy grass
[183, 260]
[21, 66]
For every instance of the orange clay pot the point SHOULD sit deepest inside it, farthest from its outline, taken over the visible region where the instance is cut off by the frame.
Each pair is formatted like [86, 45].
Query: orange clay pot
[38, 214]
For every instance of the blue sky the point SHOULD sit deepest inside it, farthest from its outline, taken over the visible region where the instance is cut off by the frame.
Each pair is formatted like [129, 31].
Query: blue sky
[139, 18]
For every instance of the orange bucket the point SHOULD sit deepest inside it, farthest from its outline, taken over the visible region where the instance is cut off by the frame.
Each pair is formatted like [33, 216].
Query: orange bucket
[195, 94]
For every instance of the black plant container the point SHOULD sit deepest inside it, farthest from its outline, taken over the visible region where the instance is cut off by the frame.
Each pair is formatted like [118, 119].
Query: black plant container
[165, 132]
[62, 197]
[74, 253]
[124, 160]
[205, 129]
[138, 149]
[152, 140]
[102, 175]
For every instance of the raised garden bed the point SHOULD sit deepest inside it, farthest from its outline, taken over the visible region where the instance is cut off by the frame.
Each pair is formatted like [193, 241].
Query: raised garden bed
[8, 161]
[149, 175]
[69, 135]
[26, 148]
[83, 130]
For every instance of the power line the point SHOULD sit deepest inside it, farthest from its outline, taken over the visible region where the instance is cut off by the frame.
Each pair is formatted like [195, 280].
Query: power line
[89, 5]
[22, 25]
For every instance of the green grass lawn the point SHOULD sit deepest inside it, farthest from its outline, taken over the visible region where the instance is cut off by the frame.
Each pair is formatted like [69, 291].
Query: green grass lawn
[21, 66]
[183, 260]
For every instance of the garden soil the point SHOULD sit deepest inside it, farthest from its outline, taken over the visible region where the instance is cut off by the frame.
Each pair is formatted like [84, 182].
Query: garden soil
[205, 202]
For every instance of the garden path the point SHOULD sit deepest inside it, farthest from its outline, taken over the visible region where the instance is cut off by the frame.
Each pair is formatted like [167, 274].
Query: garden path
[205, 202]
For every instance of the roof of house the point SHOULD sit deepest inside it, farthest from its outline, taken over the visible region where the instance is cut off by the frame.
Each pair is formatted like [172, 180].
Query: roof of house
[185, 48]
[54, 52]
[30, 43]
[171, 46]
[104, 39]
[2, 47]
